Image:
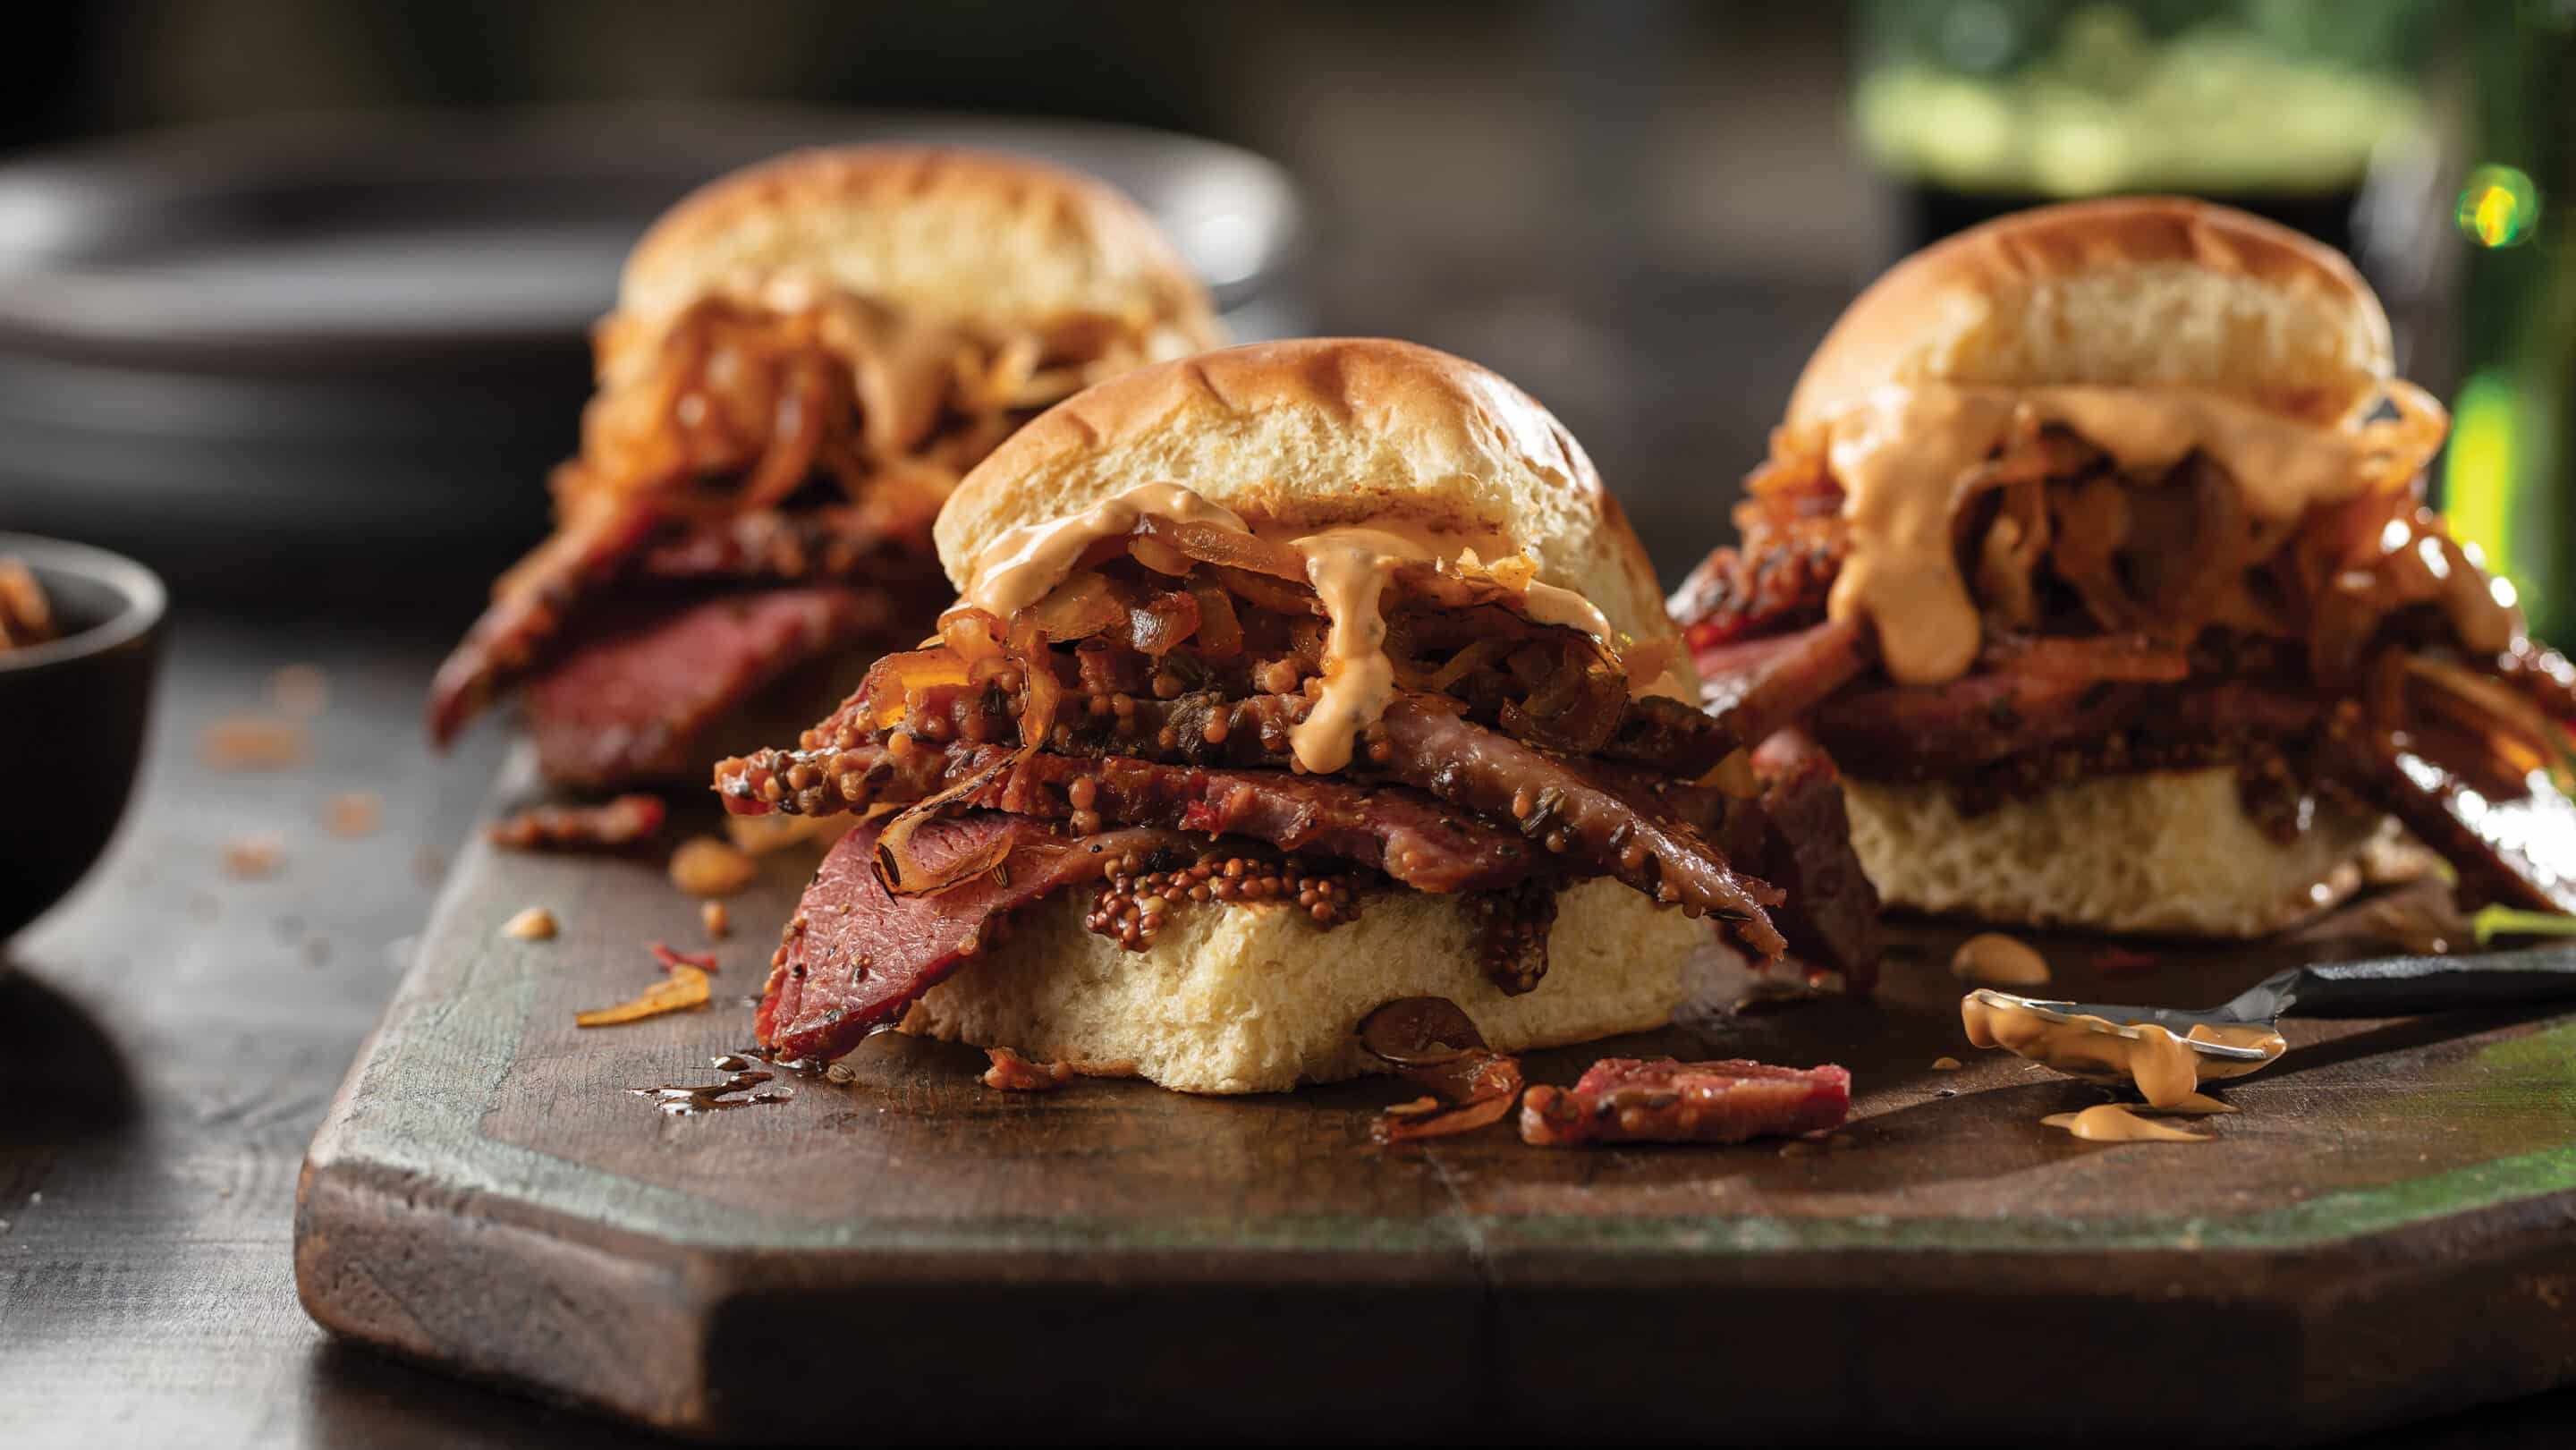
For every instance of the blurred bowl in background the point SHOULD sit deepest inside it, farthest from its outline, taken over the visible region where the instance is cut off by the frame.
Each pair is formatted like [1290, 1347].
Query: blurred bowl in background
[344, 350]
[72, 713]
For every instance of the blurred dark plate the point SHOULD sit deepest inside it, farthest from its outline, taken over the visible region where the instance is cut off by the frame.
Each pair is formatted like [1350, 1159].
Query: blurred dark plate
[350, 346]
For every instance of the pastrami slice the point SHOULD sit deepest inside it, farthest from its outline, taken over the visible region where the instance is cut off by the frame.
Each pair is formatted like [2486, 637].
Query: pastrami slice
[854, 955]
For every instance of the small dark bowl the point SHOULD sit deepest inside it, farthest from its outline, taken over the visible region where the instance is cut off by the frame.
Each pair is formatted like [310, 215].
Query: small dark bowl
[71, 720]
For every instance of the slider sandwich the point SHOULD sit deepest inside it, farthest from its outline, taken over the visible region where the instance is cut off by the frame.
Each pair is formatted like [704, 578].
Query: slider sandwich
[805, 358]
[1284, 682]
[2094, 553]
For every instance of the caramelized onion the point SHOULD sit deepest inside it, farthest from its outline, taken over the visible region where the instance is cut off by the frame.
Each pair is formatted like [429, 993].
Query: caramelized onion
[1158, 556]
[1474, 657]
[2091, 525]
[2217, 549]
[892, 680]
[1220, 629]
[1080, 607]
[2014, 544]
[731, 390]
[1264, 592]
[1580, 698]
[1041, 691]
[2544, 675]
[1158, 625]
[1414, 630]
[1212, 543]
[803, 407]
[2511, 723]
[2033, 455]
[972, 633]
[2382, 557]
[1483, 1100]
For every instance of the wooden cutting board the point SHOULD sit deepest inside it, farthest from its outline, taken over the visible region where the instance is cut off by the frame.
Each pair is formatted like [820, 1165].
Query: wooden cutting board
[2387, 1230]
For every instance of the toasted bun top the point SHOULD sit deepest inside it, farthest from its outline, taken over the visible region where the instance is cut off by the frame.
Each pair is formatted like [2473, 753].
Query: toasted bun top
[2148, 292]
[1323, 433]
[966, 237]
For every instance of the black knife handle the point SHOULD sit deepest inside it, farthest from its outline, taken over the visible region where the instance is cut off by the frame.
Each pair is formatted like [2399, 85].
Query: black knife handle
[2404, 986]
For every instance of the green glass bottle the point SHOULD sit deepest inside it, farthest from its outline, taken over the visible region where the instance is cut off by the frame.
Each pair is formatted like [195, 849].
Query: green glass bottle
[2509, 477]
[1975, 108]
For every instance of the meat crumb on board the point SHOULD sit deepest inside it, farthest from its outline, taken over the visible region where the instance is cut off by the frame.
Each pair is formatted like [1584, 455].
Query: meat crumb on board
[707, 866]
[614, 826]
[1629, 1100]
[1013, 1073]
[254, 742]
[353, 813]
[300, 691]
[253, 856]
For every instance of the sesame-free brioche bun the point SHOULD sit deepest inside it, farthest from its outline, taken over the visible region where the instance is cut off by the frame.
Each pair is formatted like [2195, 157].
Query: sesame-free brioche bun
[1321, 433]
[1258, 998]
[969, 238]
[2164, 853]
[2143, 292]
[1299, 436]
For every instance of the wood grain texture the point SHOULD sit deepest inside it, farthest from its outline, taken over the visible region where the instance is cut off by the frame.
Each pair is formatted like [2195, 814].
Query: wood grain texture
[168, 1041]
[2383, 1232]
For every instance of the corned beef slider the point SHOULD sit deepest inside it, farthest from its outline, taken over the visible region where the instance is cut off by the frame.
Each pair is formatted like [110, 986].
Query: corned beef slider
[805, 357]
[1286, 681]
[2094, 552]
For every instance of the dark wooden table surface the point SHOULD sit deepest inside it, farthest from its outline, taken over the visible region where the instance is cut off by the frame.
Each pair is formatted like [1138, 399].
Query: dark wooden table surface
[170, 1038]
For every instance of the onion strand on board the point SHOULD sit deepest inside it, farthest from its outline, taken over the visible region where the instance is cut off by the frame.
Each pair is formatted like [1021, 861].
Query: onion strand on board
[684, 988]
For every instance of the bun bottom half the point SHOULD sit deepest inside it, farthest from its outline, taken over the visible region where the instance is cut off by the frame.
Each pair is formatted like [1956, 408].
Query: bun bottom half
[2165, 853]
[1257, 998]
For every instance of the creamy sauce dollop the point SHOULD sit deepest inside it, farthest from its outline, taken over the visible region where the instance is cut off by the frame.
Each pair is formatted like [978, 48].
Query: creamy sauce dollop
[2163, 1067]
[2112, 1123]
